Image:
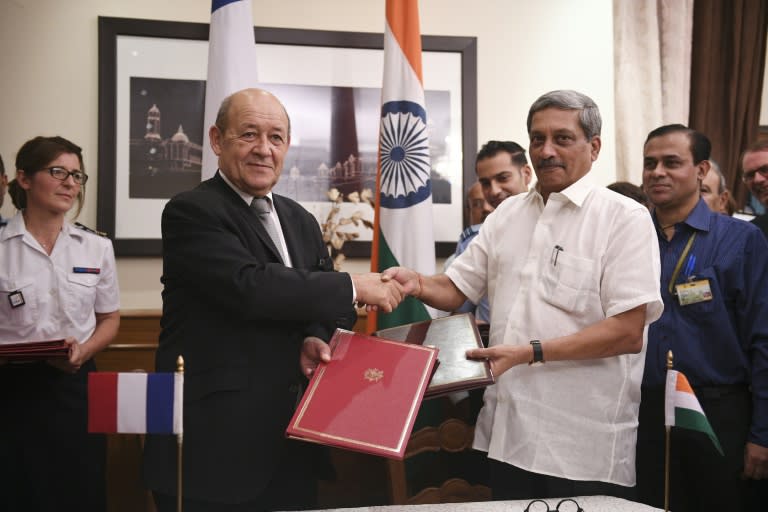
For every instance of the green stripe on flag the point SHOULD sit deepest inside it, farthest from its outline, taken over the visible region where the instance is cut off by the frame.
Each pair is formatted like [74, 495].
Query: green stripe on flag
[694, 420]
[410, 310]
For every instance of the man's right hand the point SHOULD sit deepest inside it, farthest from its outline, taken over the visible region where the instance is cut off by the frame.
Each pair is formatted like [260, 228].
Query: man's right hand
[409, 279]
[376, 292]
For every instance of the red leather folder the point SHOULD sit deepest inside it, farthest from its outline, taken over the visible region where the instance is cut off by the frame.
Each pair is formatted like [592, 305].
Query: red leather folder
[453, 336]
[34, 350]
[366, 398]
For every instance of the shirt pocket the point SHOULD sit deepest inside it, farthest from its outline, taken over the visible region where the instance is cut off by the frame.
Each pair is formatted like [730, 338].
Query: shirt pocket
[569, 282]
[81, 296]
[21, 316]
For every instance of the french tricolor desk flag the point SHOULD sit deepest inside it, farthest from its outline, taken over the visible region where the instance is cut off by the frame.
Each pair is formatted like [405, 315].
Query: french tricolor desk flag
[135, 403]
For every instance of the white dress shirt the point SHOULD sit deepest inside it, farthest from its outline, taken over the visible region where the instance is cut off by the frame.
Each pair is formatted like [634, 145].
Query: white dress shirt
[549, 271]
[61, 292]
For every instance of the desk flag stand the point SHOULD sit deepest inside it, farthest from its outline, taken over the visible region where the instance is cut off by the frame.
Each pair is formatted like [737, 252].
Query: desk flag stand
[139, 403]
[681, 409]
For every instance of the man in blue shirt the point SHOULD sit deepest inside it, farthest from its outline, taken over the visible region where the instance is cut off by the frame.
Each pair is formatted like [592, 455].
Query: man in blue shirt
[717, 328]
[479, 209]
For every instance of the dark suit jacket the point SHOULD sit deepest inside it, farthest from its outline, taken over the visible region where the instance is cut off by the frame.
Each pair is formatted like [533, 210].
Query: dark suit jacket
[238, 316]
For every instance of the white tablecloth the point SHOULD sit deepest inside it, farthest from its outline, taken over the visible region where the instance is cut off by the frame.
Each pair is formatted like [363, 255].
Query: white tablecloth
[588, 503]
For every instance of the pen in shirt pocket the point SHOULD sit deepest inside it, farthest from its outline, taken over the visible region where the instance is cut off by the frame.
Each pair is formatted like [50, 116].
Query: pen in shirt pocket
[689, 266]
[556, 250]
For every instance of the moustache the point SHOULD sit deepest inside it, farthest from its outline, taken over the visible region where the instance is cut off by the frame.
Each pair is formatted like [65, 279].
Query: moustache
[549, 162]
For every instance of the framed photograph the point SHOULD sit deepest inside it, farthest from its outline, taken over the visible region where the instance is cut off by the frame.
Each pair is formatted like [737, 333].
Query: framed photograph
[151, 134]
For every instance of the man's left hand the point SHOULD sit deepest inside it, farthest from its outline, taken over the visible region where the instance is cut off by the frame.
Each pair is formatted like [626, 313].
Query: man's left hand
[502, 357]
[755, 461]
[313, 352]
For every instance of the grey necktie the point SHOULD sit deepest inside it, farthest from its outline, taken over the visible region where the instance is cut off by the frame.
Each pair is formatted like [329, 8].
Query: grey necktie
[263, 208]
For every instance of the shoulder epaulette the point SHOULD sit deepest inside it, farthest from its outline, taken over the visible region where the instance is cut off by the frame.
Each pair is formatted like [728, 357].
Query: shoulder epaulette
[86, 228]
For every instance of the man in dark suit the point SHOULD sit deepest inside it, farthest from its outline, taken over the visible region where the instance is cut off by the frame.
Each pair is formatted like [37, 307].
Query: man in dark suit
[246, 313]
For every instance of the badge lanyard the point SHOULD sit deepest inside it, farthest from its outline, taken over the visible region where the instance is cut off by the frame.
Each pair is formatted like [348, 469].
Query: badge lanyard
[680, 261]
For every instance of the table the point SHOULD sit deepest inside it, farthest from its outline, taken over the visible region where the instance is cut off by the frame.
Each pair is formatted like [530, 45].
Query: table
[588, 503]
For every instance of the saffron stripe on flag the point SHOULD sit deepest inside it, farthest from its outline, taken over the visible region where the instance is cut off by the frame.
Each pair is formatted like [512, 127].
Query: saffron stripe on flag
[102, 406]
[132, 403]
[160, 390]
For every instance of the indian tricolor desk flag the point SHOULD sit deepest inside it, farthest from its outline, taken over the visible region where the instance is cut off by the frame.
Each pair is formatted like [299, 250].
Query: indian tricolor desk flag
[135, 403]
[231, 63]
[403, 233]
[682, 409]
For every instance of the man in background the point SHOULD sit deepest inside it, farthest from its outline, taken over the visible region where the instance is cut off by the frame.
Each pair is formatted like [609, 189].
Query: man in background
[249, 300]
[754, 165]
[571, 270]
[502, 170]
[479, 209]
[714, 191]
[3, 187]
[714, 283]
[630, 190]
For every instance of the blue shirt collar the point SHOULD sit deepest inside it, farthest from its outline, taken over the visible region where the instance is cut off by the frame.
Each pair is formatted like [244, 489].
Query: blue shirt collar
[699, 219]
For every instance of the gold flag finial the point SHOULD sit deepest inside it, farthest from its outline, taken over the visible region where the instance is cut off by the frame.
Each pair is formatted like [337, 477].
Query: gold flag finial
[669, 359]
[180, 364]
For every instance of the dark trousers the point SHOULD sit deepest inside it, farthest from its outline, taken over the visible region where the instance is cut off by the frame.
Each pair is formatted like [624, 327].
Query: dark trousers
[512, 483]
[292, 487]
[48, 461]
[701, 479]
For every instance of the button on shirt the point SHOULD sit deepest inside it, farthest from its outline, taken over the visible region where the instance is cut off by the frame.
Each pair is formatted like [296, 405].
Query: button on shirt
[570, 419]
[722, 341]
[58, 302]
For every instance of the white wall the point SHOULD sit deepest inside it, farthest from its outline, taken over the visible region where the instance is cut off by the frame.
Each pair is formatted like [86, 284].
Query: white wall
[49, 70]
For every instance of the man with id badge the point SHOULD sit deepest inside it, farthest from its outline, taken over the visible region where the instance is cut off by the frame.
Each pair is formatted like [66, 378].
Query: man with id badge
[714, 283]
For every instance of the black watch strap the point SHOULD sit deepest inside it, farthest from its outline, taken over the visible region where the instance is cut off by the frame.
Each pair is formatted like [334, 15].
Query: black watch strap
[538, 354]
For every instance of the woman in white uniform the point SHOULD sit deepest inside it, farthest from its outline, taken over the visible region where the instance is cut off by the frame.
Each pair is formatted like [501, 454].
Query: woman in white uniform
[57, 280]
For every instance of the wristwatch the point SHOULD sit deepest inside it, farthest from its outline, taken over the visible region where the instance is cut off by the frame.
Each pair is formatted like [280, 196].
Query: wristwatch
[538, 354]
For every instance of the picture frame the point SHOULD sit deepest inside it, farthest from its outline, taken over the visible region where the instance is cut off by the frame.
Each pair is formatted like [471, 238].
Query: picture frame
[135, 55]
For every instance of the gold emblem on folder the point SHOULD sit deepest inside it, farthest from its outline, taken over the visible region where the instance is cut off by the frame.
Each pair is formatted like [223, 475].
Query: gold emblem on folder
[373, 374]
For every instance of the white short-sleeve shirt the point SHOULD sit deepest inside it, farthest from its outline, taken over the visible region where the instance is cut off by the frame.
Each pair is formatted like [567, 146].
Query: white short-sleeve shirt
[549, 271]
[61, 292]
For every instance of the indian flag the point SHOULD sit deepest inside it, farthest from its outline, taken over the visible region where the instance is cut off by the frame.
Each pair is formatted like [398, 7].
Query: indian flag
[682, 409]
[403, 233]
[135, 402]
[231, 63]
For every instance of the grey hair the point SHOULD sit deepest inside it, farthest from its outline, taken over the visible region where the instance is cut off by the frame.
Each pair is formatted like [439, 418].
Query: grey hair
[721, 187]
[589, 114]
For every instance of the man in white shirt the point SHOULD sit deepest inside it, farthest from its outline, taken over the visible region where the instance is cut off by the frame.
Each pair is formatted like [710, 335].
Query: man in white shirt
[571, 270]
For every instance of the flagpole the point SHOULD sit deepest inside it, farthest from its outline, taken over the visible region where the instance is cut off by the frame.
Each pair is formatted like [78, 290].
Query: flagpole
[667, 442]
[179, 451]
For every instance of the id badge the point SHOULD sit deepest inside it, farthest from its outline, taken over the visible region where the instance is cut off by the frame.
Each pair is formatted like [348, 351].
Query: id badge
[693, 292]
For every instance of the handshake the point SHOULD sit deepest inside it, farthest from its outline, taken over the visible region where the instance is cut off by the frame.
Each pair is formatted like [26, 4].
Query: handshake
[385, 291]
